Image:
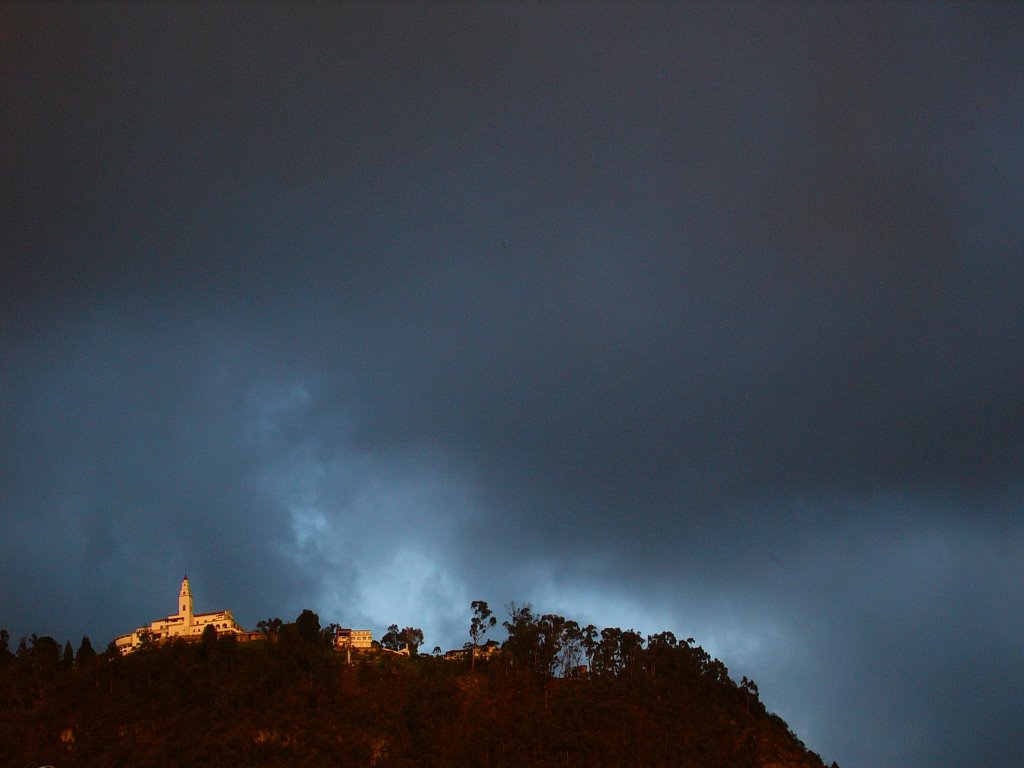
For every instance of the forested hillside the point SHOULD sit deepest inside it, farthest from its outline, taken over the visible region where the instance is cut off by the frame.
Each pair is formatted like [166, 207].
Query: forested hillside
[291, 700]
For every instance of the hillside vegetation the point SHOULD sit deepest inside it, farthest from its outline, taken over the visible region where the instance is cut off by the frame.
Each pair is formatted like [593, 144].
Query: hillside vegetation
[291, 700]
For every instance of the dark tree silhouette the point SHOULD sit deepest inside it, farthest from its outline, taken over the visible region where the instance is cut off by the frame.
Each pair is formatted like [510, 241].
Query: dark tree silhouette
[483, 619]
[411, 638]
[68, 659]
[392, 638]
[86, 656]
[328, 633]
[5, 648]
[308, 625]
[657, 702]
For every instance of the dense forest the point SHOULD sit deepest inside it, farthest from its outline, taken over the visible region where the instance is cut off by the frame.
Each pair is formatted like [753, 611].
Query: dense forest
[556, 694]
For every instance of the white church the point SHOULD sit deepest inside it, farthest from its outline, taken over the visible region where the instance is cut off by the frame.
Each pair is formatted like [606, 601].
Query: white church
[185, 624]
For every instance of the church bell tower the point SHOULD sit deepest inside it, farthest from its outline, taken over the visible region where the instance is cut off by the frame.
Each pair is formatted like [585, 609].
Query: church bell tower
[185, 602]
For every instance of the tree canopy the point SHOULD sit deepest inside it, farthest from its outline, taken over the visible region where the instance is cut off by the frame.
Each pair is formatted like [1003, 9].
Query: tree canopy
[557, 695]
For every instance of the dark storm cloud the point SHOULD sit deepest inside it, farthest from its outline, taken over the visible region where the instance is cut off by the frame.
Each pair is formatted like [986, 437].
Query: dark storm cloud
[700, 317]
[134, 462]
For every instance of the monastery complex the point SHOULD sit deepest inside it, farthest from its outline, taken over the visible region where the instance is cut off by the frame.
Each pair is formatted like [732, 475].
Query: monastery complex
[185, 624]
[188, 625]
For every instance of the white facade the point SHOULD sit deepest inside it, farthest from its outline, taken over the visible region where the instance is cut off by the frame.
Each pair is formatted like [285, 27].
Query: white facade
[185, 624]
[357, 639]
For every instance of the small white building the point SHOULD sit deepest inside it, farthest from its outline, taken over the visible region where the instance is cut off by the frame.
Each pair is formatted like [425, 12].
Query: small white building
[356, 639]
[185, 624]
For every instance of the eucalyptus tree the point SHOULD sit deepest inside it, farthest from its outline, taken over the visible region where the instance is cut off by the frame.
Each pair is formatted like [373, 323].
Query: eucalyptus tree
[483, 619]
[411, 638]
[392, 638]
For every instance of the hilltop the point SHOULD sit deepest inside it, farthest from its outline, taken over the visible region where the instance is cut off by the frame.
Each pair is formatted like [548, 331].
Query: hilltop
[291, 699]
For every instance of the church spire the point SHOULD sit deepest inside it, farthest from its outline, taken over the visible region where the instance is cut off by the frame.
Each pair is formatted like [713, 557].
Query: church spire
[185, 602]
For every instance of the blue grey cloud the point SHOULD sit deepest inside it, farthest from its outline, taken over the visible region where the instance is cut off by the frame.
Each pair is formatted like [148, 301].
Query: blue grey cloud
[702, 318]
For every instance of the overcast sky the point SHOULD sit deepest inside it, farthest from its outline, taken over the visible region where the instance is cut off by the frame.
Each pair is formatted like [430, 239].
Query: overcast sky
[699, 317]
